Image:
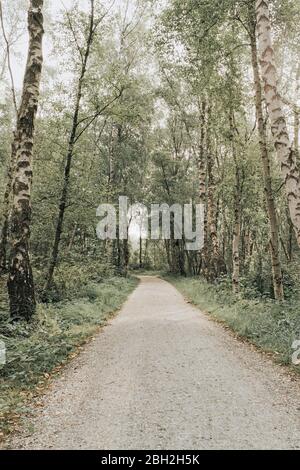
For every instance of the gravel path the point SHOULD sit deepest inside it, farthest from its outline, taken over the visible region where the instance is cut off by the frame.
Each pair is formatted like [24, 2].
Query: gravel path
[164, 376]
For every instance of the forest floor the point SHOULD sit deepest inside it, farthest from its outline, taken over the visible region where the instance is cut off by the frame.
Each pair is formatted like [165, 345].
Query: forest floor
[162, 375]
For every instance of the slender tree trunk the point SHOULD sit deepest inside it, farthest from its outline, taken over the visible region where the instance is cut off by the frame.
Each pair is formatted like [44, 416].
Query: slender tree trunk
[20, 280]
[111, 245]
[224, 232]
[285, 153]
[126, 255]
[203, 183]
[216, 265]
[69, 158]
[12, 163]
[249, 245]
[285, 250]
[4, 235]
[167, 248]
[201, 158]
[290, 240]
[296, 134]
[270, 202]
[211, 218]
[237, 223]
[236, 236]
[6, 211]
[297, 118]
[141, 252]
[237, 209]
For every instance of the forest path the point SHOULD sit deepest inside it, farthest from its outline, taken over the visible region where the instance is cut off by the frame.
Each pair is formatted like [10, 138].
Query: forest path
[163, 376]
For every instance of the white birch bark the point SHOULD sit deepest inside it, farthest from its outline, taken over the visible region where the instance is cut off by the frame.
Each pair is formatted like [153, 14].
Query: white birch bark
[20, 281]
[285, 152]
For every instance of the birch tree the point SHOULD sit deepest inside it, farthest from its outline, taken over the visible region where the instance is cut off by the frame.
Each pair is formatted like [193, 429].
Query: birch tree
[20, 281]
[270, 201]
[237, 211]
[11, 165]
[78, 128]
[285, 153]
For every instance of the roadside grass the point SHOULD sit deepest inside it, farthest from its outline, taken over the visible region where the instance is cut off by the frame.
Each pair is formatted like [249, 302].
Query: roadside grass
[271, 326]
[41, 348]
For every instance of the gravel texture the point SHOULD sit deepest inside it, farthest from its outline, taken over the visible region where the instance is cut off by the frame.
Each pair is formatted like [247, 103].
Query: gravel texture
[162, 375]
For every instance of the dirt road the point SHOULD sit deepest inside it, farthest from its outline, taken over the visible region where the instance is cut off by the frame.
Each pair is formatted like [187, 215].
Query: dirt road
[163, 376]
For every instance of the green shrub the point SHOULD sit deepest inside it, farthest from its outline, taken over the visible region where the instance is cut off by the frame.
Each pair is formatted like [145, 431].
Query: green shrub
[70, 280]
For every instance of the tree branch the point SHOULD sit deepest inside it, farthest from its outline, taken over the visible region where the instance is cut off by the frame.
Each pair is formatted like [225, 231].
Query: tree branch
[13, 89]
[97, 114]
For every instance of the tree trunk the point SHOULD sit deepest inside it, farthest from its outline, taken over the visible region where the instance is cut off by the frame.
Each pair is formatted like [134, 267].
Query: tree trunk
[270, 202]
[202, 184]
[285, 153]
[237, 222]
[69, 158]
[141, 252]
[20, 280]
[12, 163]
[215, 262]
[290, 240]
[167, 248]
[6, 211]
[297, 118]
[126, 255]
[111, 196]
[201, 157]
[211, 221]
